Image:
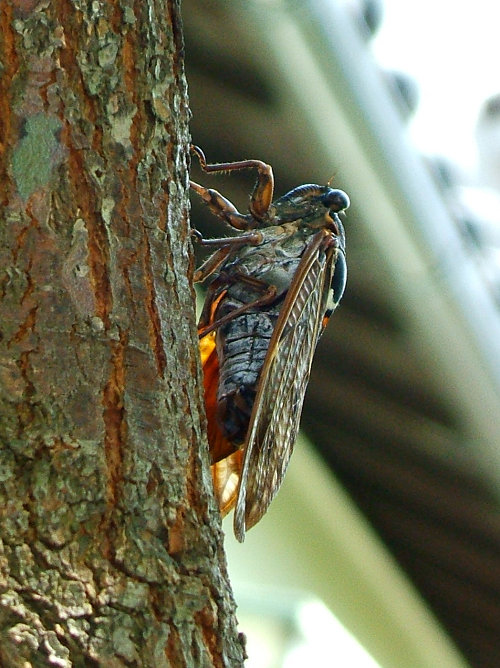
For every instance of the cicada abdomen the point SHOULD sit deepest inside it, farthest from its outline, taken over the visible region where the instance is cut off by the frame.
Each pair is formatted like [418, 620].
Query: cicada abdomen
[273, 288]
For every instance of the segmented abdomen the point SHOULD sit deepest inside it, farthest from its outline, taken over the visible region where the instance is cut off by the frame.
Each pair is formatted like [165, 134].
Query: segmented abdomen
[242, 346]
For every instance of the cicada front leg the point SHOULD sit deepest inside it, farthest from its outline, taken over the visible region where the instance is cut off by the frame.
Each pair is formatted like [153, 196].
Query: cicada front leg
[260, 199]
[223, 208]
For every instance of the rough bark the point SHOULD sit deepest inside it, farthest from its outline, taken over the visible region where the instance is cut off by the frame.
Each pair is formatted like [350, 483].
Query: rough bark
[111, 550]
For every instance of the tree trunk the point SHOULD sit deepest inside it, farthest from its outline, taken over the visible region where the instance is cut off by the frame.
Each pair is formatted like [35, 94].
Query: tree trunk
[111, 549]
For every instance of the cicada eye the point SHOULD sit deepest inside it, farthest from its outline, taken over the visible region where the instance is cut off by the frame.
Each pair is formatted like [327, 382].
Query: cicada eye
[336, 200]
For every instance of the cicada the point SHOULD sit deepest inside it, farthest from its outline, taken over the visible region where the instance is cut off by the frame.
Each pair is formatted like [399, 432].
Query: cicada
[274, 285]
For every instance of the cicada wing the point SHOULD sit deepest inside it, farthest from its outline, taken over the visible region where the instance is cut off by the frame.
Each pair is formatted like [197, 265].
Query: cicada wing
[275, 418]
[226, 477]
[225, 462]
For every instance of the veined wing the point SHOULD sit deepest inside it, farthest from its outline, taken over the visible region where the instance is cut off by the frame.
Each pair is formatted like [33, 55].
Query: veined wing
[275, 418]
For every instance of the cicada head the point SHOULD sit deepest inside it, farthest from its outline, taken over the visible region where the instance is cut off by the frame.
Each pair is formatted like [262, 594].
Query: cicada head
[317, 206]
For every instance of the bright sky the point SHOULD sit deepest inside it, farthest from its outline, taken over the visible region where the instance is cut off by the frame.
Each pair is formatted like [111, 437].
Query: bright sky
[452, 49]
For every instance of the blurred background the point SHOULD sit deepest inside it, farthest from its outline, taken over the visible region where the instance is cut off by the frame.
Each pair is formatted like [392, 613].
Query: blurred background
[383, 546]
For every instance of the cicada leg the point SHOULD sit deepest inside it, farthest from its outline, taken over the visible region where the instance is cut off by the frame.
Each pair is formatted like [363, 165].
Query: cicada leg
[268, 296]
[260, 199]
[252, 238]
[212, 263]
[223, 208]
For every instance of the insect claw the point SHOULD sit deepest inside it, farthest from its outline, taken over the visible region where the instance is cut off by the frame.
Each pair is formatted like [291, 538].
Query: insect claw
[197, 151]
[197, 235]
